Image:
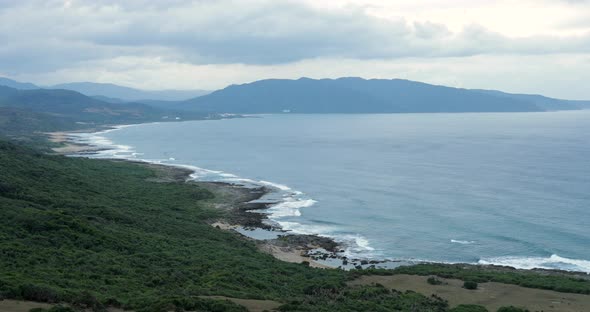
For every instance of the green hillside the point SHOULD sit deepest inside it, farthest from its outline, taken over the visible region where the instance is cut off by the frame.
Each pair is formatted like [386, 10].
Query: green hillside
[26, 111]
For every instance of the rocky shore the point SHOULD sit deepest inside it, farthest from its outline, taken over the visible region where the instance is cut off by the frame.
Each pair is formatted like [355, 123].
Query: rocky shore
[243, 213]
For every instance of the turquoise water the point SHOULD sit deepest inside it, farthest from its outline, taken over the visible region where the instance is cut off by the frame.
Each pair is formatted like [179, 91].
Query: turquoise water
[510, 188]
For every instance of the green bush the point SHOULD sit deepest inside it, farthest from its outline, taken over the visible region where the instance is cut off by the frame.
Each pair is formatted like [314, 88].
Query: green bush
[470, 285]
[512, 309]
[58, 308]
[434, 281]
[37, 293]
[468, 308]
[366, 298]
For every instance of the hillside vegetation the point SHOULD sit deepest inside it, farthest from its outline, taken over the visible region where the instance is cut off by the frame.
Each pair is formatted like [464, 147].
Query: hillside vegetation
[128, 94]
[23, 113]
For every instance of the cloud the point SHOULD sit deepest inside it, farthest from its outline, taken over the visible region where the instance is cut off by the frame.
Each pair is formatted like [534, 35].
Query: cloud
[57, 33]
[209, 44]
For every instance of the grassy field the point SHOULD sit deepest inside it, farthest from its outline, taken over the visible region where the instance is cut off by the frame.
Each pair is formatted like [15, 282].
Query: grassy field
[567, 282]
[490, 295]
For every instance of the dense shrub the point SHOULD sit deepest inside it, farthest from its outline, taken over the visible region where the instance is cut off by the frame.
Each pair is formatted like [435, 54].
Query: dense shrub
[366, 298]
[470, 285]
[58, 308]
[433, 281]
[468, 308]
[192, 304]
[37, 293]
[512, 309]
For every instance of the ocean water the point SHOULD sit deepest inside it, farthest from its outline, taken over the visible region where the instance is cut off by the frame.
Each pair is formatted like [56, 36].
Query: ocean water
[502, 188]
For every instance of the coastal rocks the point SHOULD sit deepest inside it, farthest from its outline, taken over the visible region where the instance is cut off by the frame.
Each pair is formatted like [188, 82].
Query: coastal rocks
[245, 211]
[308, 242]
[242, 208]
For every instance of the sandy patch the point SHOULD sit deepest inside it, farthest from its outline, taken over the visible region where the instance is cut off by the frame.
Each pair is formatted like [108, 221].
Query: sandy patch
[58, 137]
[289, 254]
[67, 146]
[224, 226]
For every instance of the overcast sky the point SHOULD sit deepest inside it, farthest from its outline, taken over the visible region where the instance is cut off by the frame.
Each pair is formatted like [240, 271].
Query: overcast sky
[529, 46]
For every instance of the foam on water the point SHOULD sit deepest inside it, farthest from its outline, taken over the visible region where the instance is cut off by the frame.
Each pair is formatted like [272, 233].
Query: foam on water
[357, 246]
[108, 149]
[552, 262]
[275, 185]
[462, 242]
[299, 228]
[289, 207]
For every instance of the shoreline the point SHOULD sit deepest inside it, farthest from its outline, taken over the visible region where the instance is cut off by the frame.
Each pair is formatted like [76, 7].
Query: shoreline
[241, 208]
[67, 146]
[243, 217]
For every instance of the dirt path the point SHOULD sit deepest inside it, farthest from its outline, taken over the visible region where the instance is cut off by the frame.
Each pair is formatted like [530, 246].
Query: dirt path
[20, 306]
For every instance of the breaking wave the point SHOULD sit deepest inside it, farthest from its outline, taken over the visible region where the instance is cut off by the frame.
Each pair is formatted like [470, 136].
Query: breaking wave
[462, 242]
[552, 262]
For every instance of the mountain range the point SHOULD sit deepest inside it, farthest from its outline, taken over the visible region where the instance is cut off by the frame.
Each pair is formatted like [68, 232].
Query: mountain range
[357, 95]
[128, 94]
[57, 109]
[109, 91]
[304, 95]
[17, 85]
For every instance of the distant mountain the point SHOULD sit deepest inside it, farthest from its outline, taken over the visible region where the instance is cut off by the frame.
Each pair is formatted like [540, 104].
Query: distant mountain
[17, 85]
[108, 99]
[546, 103]
[109, 90]
[343, 95]
[354, 95]
[39, 109]
[70, 104]
[15, 121]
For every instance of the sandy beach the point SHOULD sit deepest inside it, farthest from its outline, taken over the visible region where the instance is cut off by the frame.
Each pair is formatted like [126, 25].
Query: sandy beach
[67, 147]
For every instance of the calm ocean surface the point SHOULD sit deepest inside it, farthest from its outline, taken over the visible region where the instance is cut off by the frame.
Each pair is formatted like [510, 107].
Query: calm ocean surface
[507, 188]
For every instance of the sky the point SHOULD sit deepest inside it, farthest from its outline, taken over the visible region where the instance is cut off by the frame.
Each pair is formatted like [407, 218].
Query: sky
[525, 46]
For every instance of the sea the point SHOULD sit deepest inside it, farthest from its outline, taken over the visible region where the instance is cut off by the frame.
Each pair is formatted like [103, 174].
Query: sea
[485, 188]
